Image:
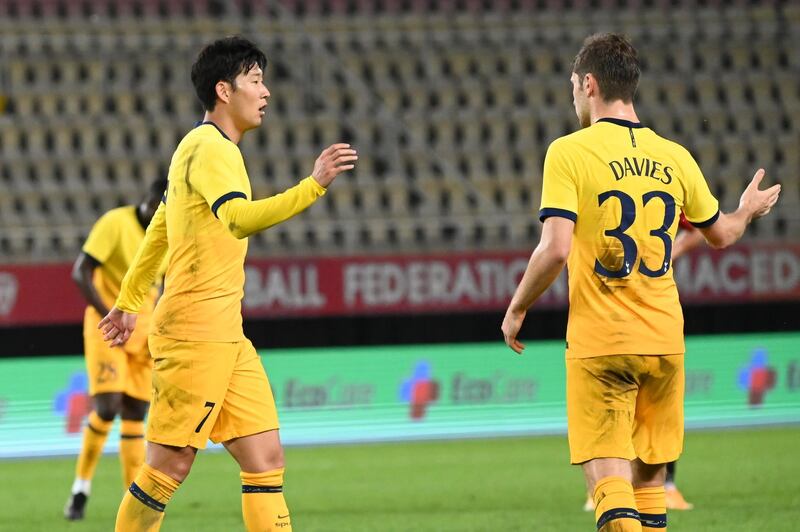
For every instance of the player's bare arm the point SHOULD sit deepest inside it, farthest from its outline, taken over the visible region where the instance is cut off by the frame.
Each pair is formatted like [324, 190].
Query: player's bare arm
[83, 274]
[546, 263]
[687, 240]
[753, 204]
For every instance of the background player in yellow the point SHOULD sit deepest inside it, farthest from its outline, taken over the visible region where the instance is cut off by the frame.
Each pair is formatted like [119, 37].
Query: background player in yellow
[208, 381]
[611, 196]
[119, 377]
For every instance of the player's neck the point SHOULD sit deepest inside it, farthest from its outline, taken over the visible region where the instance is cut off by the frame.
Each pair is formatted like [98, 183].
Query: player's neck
[224, 122]
[616, 109]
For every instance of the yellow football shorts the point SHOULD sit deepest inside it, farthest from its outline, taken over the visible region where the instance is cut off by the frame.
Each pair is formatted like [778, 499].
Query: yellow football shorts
[126, 369]
[625, 406]
[202, 390]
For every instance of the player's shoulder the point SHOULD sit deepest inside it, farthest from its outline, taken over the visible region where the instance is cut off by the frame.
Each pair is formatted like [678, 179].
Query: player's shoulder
[118, 214]
[208, 139]
[676, 149]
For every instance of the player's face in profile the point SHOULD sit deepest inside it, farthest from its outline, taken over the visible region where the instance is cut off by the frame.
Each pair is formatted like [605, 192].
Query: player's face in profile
[249, 100]
[580, 101]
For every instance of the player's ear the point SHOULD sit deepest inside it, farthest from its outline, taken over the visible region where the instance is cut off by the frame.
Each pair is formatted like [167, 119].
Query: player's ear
[223, 90]
[586, 83]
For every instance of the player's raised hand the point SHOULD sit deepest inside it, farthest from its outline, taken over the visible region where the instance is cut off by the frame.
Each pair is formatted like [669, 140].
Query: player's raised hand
[117, 326]
[759, 202]
[333, 160]
[512, 323]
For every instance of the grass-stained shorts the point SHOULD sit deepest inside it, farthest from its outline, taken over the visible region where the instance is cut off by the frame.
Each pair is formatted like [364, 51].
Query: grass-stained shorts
[207, 390]
[625, 406]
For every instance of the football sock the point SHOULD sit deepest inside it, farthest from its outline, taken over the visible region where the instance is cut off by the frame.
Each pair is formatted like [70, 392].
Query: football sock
[263, 506]
[94, 437]
[131, 449]
[652, 505]
[615, 506]
[142, 507]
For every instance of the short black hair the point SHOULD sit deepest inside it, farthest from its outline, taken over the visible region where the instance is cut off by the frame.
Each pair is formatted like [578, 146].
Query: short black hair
[223, 60]
[613, 61]
[157, 188]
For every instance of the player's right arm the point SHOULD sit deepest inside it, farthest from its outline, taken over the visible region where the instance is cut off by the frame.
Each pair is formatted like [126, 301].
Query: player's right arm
[243, 217]
[119, 323]
[83, 275]
[753, 204]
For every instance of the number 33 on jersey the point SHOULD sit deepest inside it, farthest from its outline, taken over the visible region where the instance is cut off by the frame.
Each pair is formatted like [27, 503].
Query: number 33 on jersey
[624, 187]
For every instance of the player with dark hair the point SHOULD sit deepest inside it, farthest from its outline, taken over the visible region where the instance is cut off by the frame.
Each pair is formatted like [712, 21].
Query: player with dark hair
[611, 196]
[208, 380]
[119, 377]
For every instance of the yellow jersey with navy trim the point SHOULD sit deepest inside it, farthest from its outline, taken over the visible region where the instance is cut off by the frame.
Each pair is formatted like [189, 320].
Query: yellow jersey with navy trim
[113, 242]
[204, 284]
[624, 187]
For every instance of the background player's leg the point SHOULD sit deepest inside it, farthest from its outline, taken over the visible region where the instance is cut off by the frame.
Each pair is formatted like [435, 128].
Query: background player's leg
[675, 499]
[648, 484]
[142, 507]
[260, 458]
[131, 443]
[609, 479]
[106, 408]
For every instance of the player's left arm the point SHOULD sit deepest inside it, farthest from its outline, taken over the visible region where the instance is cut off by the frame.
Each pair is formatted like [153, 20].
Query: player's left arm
[687, 240]
[544, 267]
[120, 322]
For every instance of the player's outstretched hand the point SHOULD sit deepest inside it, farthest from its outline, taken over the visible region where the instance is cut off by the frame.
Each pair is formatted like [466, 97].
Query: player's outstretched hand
[333, 160]
[117, 326]
[512, 323]
[759, 202]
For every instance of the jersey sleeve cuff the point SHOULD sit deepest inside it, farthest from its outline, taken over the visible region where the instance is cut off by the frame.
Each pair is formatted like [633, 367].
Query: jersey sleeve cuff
[316, 187]
[226, 197]
[561, 213]
[708, 222]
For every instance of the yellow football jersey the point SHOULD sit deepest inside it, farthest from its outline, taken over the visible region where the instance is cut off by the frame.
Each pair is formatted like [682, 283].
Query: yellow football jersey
[624, 187]
[113, 242]
[204, 284]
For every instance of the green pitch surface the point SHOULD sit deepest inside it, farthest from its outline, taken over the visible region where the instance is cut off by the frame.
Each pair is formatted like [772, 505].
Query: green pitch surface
[738, 480]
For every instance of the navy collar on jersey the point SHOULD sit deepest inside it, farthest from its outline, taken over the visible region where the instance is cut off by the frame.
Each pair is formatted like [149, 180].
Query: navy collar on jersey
[623, 123]
[209, 122]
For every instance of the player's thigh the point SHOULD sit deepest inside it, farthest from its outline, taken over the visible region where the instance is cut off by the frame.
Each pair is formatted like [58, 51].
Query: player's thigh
[106, 366]
[139, 382]
[658, 425]
[601, 401]
[249, 406]
[190, 381]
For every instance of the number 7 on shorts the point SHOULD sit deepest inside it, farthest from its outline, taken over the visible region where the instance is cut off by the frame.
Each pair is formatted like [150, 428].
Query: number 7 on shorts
[210, 407]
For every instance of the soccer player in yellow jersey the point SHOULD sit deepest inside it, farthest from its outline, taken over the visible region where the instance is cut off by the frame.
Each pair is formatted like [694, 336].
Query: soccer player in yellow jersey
[119, 377]
[208, 381]
[611, 195]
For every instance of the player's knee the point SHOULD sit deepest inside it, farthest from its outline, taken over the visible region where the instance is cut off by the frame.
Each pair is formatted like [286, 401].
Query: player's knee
[108, 406]
[133, 409]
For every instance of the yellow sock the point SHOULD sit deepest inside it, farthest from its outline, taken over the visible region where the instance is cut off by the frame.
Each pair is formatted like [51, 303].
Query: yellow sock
[652, 505]
[142, 507]
[94, 438]
[263, 506]
[615, 506]
[131, 449]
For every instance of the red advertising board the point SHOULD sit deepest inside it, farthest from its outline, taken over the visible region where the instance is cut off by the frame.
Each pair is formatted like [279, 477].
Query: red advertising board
[430, 283]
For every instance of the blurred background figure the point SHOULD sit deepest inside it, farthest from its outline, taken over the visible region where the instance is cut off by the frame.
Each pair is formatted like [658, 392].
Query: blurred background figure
[119, 377]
